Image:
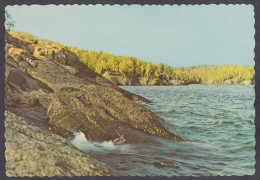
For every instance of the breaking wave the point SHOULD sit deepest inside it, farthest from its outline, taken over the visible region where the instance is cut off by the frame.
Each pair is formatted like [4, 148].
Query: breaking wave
[81, 142]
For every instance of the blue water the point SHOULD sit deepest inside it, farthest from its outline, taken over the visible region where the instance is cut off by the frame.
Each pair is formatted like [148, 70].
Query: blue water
[217, 119]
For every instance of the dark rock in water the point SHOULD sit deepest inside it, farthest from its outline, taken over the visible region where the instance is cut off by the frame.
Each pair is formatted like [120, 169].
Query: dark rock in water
[74, 97]
[119, 140]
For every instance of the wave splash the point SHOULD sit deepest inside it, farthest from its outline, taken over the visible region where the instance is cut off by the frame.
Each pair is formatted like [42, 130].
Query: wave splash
[81, 142]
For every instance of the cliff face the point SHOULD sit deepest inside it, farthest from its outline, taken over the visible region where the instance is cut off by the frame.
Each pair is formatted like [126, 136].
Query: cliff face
[48, 86]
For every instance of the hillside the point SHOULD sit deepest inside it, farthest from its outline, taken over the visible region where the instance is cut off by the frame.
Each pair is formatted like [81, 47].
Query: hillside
[122, 70]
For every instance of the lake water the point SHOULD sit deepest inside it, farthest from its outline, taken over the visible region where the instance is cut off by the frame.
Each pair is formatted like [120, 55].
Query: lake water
[217, 119]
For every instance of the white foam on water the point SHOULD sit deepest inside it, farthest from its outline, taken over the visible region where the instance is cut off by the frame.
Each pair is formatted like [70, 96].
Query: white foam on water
[81, 142]
[108, 145]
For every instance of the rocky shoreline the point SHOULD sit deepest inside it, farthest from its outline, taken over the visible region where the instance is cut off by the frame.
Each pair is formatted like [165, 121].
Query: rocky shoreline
[163, 80]
[50, 95]
[34, 150]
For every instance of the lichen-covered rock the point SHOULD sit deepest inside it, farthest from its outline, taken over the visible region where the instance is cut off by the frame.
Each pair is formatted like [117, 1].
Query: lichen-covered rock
[32, 150]
[103, 113]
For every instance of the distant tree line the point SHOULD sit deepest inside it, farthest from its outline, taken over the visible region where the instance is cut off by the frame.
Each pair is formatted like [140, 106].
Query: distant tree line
[102, 62]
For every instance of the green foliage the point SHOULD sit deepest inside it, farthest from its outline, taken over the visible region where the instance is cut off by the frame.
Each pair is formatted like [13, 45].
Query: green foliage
[214, 74]
[34, 39]
[130, 66]
[102, 62]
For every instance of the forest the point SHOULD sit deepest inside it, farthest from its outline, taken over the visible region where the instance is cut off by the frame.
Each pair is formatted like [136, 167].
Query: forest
[131, 67]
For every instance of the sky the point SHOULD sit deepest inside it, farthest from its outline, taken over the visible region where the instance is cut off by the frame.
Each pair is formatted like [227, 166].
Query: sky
[185, 35]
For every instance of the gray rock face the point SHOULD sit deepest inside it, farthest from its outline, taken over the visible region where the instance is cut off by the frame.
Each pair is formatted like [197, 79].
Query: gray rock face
[103, 114]
[33, 150]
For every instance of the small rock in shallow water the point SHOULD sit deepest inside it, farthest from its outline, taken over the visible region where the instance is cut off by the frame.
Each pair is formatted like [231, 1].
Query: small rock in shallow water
[119, 140]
